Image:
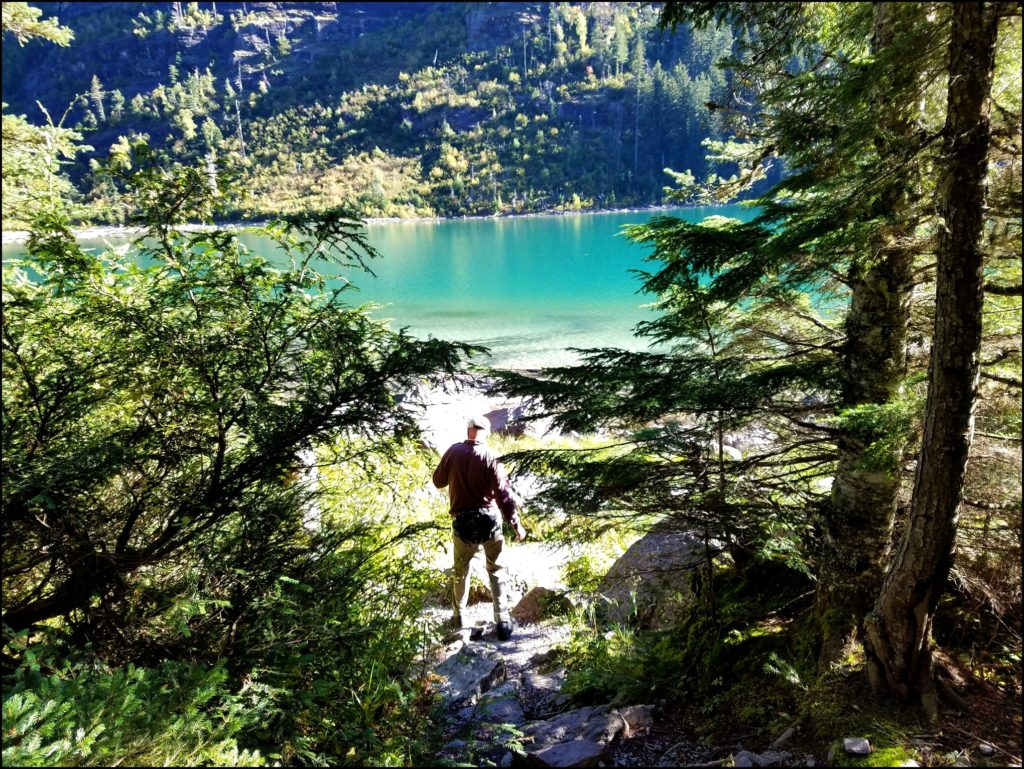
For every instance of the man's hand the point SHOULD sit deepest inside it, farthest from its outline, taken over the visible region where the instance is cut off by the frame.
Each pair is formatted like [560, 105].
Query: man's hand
[520, 531]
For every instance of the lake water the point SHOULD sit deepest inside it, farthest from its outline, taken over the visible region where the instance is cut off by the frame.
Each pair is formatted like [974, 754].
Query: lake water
[526, 287]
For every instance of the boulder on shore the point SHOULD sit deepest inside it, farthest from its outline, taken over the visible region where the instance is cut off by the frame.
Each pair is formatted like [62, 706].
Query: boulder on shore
[597, 724]
[638, 719]
[652, 573]
[538, 602]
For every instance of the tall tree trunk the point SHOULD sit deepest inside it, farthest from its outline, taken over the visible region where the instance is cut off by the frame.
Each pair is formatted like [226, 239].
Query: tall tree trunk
[857, 527]
[899, 628]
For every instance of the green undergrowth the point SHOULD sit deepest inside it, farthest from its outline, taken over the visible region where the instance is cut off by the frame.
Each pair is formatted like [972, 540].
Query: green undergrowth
[887, 756]
[729, 652]
[176, 714]
[840, 704]
[318, 664]
[741, 662]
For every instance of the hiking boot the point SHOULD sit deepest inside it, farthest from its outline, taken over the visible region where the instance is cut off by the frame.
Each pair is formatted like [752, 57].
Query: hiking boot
[504, 630]
[455, 630]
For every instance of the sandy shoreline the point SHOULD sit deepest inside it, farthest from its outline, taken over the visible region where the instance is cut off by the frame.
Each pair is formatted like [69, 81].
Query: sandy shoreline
[441, 411]
[106, 231]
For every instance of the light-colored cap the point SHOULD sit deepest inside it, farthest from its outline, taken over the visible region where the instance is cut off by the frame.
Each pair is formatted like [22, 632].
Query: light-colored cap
[479, 422]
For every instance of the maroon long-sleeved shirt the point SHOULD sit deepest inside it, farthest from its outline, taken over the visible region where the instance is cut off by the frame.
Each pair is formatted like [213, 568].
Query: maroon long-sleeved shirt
[475, 478]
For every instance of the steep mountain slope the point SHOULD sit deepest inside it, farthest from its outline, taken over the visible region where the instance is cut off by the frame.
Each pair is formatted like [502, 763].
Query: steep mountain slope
[400, 109]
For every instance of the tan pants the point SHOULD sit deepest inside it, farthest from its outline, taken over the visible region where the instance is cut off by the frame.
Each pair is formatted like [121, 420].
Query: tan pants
[464, 553]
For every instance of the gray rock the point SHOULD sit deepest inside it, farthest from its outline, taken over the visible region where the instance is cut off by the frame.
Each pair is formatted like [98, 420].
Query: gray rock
[561, 700]
[506, 760]
[651, 570]
[569, 754]
[539, 602]
[857, 746]
[472, 671]
[986, 749]
[637, 718]
[809, 761]
[542, 658]
[541, 690]
[783, 738]
[596, 724]
[910, 762]
[505, 420]
[501, 708]
[540, 682]
[769, 758]
[455, 640]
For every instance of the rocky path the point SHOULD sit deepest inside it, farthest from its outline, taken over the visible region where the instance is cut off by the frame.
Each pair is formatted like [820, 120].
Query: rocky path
[502, 710]
[504, 704]
[503, 700]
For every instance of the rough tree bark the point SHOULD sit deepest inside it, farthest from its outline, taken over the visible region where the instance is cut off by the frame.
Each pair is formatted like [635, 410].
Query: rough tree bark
[858, 523]
[899, 627]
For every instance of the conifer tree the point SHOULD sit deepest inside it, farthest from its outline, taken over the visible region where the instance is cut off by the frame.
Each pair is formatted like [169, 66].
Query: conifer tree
[33, 155]
[794, 324]
[116, 105]
[621, 51]
[899, 628]
[22, 21]
[199, 380]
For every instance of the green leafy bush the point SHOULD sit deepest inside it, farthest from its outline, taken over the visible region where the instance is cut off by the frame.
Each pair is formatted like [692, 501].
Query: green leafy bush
[175, 714]
[163, 522]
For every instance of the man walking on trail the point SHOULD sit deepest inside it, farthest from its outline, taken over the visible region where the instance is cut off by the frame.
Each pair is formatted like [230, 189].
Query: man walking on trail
[478, 489]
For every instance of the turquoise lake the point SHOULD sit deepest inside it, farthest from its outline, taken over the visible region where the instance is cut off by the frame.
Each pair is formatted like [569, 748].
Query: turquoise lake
[526, 287]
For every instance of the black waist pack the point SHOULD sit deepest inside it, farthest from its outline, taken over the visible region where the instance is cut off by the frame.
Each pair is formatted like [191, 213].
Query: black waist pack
[477, 525]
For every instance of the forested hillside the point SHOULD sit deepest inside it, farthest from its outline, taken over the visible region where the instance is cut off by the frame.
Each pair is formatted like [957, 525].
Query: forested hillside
[787, 521]
[400, 109]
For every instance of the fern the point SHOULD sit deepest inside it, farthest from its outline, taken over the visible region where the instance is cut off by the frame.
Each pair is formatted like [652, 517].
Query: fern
[778, 666]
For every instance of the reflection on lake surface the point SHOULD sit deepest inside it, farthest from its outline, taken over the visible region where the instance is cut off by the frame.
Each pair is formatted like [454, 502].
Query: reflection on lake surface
[527, 287]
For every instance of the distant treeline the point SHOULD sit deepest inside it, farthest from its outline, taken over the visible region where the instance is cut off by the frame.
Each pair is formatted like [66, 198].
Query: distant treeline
[397, 109]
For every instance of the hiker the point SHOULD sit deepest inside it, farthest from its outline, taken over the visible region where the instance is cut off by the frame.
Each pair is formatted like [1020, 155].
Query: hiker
[478, 489]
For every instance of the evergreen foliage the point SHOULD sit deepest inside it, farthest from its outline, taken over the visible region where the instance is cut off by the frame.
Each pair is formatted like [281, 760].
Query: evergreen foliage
[33, 154]
[157, 506]
[216, 536]
[175, 714]
[790, 335]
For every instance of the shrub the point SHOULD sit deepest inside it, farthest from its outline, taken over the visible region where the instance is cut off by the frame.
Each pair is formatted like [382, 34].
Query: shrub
[160, 524]
[176, 714]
